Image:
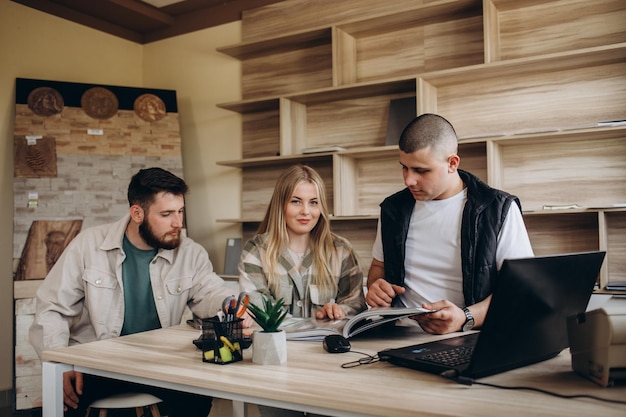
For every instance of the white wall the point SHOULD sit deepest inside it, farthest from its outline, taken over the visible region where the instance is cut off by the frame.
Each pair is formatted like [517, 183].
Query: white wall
[202, 77]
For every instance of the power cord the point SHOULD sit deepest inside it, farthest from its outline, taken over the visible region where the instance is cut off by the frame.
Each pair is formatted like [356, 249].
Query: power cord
[362, 361]
[453, 375]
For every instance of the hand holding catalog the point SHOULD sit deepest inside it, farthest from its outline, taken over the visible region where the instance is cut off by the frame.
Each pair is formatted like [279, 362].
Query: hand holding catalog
[312, 329]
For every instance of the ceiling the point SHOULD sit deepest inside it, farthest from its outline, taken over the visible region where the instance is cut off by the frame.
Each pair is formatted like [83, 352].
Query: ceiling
[149, 20]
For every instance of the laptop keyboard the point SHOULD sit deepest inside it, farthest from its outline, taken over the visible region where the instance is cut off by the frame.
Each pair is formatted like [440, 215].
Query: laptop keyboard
[451, 357]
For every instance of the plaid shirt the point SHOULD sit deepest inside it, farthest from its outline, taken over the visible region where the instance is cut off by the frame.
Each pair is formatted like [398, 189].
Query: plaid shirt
[300, 297]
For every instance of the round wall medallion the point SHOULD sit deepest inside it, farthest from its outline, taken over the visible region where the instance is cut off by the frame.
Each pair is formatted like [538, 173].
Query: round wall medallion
[99, 103]
[149, 107]
[45, 101]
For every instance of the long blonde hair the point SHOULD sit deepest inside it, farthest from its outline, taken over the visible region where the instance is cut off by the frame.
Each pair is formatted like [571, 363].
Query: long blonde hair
[321, 238]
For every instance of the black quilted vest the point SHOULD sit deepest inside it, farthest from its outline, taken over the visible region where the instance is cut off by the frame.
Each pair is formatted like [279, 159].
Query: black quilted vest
[483, 216]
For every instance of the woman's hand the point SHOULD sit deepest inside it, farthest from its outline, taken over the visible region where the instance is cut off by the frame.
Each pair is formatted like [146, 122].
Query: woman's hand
[331, 311]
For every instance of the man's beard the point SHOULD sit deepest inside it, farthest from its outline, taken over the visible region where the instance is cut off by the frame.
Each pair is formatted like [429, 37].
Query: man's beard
[146, 233]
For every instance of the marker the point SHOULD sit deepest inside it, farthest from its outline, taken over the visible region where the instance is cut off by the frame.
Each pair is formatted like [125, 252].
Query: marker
[226, 354]
[233, 349]
[227, 343]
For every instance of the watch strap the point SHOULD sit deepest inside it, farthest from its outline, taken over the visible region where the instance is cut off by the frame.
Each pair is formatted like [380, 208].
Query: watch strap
[469, 320]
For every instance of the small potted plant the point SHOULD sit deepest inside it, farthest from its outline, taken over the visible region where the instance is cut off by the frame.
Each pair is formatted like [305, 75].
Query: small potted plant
[269, 346]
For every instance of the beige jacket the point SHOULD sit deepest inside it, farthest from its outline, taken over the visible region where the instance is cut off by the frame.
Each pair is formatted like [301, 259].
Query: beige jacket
[81, 300]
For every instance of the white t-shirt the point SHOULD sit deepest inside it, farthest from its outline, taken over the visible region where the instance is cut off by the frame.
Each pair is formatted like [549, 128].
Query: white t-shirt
[433, 249]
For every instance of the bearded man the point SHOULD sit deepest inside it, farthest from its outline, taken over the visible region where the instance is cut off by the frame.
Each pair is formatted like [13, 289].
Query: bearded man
[131, 276]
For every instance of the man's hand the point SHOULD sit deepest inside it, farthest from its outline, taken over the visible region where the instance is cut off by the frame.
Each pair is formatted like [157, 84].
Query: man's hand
[381, 293]
[447, 318]
[72, 389]
[332, 311]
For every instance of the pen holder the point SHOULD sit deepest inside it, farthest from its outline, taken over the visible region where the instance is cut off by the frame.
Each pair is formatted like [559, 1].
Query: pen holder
[222, 341]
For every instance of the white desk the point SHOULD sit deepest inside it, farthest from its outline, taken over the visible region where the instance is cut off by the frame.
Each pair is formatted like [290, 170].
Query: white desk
[312, 380]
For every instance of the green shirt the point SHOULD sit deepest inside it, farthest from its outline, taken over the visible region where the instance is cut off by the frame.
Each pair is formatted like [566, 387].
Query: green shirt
[139, 308]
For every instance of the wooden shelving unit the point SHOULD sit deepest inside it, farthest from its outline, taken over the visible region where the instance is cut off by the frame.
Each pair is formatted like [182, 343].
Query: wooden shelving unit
[526, 84]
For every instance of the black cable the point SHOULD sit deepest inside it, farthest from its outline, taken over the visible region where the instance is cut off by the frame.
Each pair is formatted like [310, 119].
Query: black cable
[362, 361]
[469, 381]
[453, 375]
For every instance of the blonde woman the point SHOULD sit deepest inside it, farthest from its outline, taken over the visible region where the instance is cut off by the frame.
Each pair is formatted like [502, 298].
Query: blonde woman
[296, 257]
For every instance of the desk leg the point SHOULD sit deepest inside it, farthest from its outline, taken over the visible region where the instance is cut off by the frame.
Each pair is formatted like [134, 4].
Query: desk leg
[239, 409]
[52, 388]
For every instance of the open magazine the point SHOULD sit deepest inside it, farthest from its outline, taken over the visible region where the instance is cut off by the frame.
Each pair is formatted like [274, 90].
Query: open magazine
[312, 329]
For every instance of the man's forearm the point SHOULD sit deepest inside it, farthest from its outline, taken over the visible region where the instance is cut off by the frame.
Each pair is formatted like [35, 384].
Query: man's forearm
[479, 311]
[377, 270]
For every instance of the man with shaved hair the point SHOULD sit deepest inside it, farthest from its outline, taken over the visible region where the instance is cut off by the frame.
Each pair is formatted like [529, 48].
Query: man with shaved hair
[441, 240]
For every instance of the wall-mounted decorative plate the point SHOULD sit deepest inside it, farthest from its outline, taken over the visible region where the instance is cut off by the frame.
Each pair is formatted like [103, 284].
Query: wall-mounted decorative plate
[45, 101]
[150, 107]
[99, 103]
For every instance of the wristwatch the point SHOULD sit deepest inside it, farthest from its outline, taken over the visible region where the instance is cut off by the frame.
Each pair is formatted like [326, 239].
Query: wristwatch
[469, 320]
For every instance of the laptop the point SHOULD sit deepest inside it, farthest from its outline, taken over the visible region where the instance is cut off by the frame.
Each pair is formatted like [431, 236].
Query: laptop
[525, 323]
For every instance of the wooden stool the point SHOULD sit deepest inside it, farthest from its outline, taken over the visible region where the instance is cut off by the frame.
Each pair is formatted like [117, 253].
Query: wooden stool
[136, 400]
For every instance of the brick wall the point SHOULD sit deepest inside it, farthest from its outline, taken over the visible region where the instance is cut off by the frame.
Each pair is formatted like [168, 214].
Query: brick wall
[95, 159]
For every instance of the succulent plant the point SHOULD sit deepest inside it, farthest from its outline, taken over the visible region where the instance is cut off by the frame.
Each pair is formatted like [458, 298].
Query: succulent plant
[270, 315]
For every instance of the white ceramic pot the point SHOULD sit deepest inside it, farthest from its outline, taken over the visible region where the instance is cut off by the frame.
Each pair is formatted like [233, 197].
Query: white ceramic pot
[269, 348]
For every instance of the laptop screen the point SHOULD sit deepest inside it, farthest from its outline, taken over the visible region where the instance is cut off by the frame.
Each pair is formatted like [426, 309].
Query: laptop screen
[526, 321]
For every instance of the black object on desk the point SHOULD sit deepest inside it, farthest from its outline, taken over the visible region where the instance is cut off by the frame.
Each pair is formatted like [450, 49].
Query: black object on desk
[334, 343]
[222, 341]
[525, 323]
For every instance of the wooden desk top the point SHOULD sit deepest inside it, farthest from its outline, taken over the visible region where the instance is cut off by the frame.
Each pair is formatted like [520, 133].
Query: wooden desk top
[315, 378]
